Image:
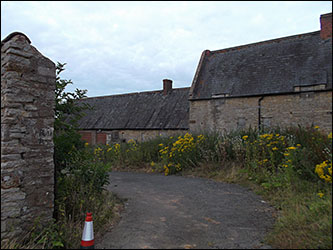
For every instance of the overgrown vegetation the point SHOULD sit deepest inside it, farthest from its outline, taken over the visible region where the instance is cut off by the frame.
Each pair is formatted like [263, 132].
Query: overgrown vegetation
[80, 177]
[80, 181]
[291, 168]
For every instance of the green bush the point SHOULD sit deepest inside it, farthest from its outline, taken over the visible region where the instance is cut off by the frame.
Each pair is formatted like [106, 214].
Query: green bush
[78, 185]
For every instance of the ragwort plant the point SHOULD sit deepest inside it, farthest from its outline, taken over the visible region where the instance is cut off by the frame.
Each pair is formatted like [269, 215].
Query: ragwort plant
[280, 155]
[182, 153]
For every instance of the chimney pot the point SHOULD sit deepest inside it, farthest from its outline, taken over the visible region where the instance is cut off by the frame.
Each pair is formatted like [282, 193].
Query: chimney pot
[326, 25]
[167, 86]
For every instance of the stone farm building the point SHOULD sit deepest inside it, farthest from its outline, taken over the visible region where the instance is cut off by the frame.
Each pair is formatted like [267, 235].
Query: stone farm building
[285, 81]
[138, 116]
[280, 82]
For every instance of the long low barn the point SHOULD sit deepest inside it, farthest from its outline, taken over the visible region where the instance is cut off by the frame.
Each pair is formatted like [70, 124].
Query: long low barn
[138, 116]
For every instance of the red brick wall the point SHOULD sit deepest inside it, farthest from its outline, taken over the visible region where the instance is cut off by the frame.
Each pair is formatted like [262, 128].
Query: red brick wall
[86, 136]
[89, 136]
[101, 138]
[326, 26]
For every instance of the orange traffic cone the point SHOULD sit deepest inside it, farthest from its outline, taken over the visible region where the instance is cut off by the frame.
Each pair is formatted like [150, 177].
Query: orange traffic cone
[87, 241]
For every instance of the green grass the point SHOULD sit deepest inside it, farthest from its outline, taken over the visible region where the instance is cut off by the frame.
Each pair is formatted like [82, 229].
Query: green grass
[303, 219]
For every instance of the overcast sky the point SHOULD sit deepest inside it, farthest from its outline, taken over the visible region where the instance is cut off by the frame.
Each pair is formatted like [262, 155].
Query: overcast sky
[123, 47]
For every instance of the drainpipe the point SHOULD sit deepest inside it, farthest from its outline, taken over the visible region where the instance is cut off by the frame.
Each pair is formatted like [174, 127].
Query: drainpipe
[259, 112]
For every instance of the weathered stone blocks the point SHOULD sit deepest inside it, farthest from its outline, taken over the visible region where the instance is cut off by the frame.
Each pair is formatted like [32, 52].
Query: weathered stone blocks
[27, 116]
[315, 108]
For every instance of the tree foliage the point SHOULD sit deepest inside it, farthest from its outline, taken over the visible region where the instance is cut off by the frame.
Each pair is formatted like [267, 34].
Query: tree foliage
[68, 111]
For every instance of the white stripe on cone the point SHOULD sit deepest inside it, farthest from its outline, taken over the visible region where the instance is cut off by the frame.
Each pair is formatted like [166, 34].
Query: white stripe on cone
[88, 231]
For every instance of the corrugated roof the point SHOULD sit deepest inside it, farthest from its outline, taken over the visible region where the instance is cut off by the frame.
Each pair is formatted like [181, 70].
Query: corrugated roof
[269, 67]
[145, 110]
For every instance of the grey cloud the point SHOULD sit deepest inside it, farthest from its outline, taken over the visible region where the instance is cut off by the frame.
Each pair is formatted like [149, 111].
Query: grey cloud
[121, 47]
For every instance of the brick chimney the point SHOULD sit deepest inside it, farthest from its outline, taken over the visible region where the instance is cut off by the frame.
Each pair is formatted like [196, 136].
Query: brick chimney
[167, 86]
[326, 25]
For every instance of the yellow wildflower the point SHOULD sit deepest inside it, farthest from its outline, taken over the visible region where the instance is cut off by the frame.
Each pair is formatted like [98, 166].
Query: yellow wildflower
[320, 171]
[292, 148]
[286, 154]
[316, 127]
[320, 195]
[275, 148]
[86, 144]
[330, 135]
[245, 137]
[166, 171]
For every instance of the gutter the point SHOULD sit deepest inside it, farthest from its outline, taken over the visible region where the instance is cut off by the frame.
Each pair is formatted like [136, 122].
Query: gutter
[112, 129]
[259, 95]
[259, 112]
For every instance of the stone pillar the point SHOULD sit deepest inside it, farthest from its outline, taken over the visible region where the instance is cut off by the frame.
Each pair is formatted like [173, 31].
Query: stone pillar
[27, 117]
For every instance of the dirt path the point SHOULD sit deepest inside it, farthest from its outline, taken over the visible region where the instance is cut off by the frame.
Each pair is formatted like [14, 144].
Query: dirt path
[183, 212]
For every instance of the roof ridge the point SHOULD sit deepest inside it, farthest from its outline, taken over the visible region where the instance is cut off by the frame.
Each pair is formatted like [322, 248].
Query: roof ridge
[264, 42]
[134, 93]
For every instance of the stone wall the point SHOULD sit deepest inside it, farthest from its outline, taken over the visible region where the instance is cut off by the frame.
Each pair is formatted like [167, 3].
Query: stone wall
[27, 117]
[304, 109]
[228, 114]
[223, 114]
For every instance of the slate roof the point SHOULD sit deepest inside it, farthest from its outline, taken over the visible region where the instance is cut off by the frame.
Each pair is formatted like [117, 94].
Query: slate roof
[269, 67]
[144, 110]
